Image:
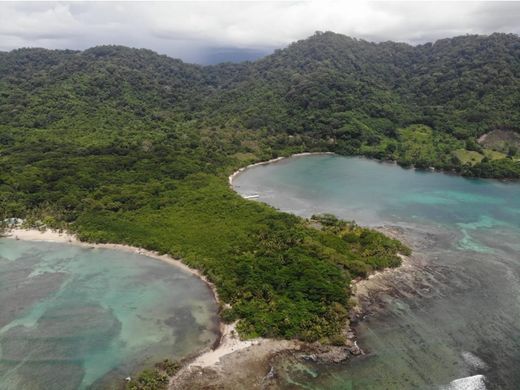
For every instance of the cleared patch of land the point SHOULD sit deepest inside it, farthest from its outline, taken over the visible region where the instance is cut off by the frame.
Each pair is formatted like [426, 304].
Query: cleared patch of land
[468, 156]
[471, 157]
[493, 154]
[501, 140]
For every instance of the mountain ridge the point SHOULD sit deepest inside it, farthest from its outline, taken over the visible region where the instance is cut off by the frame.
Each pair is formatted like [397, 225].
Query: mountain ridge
[126, 146]
[348, 95]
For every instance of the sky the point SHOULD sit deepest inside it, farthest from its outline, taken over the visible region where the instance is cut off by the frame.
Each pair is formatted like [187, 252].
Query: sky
[209, 32]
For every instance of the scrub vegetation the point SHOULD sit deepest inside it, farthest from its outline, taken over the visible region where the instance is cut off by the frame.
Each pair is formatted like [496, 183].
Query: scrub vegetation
[156, 378]
[124, 145]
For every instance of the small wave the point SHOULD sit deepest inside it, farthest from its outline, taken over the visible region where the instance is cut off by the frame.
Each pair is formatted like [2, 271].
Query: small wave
[475, 382]
[474, 361]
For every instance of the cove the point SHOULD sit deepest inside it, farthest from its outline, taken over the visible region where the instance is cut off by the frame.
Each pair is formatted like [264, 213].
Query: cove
[454, 323]
[73, 317]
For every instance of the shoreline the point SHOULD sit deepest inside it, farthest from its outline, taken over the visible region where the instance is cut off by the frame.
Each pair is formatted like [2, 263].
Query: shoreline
[49, 235]
[255, 365]
[273, 160]
[449, 172]
[365, 291]
[359, 286]
[229, 354]
[227, 341]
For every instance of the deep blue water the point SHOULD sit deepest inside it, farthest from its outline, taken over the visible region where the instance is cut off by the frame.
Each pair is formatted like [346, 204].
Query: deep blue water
[456, 317]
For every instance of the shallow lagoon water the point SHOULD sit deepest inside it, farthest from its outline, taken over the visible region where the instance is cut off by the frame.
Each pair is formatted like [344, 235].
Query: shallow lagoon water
[73, 317]
[458, 325]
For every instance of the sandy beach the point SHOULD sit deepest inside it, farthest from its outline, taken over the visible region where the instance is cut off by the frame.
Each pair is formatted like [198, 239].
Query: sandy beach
[247, 368]
[233, 364]
[231, 360]
[238, 172]
[229, 340]
[222, 357]
[66, 238]
[229, 343]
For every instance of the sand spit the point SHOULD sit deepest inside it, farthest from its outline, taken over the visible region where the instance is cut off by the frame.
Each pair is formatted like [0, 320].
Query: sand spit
[229, 343]
[233, 364]
[248, 368]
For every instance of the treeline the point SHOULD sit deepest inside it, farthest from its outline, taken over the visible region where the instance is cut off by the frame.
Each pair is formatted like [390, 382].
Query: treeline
[328, 92]
[281, 276]
[124, 145]
[357, 97]
[163, 190]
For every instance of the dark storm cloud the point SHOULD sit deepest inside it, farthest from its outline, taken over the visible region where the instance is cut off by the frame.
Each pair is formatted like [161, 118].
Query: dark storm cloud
[191, 30]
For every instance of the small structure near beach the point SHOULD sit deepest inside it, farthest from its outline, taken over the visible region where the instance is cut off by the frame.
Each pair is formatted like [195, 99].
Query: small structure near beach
[12, 222]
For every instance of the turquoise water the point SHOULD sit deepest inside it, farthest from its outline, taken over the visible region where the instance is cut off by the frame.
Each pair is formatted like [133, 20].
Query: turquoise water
[452, 323]
[73, 317]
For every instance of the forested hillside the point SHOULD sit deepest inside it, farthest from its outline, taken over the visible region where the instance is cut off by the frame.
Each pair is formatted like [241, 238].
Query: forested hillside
[366, 98]
[328, 91]
[124, 145]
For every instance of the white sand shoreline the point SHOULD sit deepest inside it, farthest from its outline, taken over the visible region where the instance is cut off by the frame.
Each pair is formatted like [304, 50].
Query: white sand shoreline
[229, 341]
[273, 160]
[66, 238]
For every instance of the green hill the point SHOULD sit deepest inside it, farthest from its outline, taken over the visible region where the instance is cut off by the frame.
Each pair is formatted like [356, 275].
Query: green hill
[125, 145]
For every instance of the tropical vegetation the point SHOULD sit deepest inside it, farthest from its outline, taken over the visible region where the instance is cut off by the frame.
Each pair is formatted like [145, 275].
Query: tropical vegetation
[125, 145]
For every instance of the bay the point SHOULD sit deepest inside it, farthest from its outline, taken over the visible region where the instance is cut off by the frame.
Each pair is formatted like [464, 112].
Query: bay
[73, 317]
[456, 323]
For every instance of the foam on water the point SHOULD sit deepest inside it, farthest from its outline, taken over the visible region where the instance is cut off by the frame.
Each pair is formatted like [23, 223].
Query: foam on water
[465, 298]
[474, 361]
[475, 382]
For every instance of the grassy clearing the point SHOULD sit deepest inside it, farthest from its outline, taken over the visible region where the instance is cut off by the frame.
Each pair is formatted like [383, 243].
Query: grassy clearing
[468, 156]
[493, 154]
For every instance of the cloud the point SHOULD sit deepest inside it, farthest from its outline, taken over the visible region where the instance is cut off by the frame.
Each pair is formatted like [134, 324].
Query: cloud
[189, 29]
